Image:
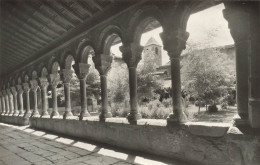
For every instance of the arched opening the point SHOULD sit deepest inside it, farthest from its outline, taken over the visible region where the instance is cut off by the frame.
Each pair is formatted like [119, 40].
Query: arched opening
[208, 68]
[118, 79]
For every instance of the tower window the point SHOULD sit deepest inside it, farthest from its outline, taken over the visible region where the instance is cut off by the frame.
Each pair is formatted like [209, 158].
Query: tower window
[156, 50]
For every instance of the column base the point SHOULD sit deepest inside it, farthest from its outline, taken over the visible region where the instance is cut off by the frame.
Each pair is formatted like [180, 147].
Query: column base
[55, 114]
[67, 115]
[254, 113]
[238, 121]
[173, 119]
[10, 113]
[16, 113]
[132, 118]
[102, 117]
[35, 114]
[21, 113]
[84, 114]
[45, 114]
[27, 114]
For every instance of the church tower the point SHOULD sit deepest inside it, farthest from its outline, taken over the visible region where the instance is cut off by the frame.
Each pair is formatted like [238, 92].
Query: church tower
[153, 51]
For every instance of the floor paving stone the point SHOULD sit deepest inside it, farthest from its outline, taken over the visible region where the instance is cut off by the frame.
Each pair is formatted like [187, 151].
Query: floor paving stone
[26, 146]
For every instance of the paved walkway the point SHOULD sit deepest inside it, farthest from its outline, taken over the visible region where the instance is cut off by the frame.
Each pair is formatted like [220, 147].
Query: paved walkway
[24, 146]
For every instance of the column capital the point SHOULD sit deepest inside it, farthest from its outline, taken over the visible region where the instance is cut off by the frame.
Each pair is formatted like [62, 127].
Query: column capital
[34, 85]
[43, 81]
[132, 53]
[66, 75]
[174, 42]
[19, 89]
[81, 70]
[13, 90]
[26, 87]
[103, 63]
[238, 17]
[8, 92]
[54, 79]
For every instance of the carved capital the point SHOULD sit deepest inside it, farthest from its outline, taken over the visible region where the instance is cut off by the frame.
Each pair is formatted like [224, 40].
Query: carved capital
[66, 75]
[54, 79]
[82, 70]
[43, 82]
[238, 17]
[103, 63]
[132, 53]
[34, 85]
[8, 91]
[174, 42]
[13, 90]
[26, 87]
[19, 89]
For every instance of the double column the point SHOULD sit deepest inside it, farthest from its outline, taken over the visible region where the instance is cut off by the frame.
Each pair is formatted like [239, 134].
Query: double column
[54, 80]
[14, 92]
[103, 65]
[2, 100]
[243, 20]
[43, 81]
[20, 99]
[10, 101]
[132, 54]
[34, 88]
[174, 41]
[82, 71]
[66, 78]
[26, 89]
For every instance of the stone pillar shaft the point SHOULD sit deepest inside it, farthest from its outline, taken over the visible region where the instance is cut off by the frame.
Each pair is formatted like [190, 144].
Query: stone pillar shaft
[54, 80]
[20, 95]
[3, 104]
[66, 78]
[14, 92]
[133, 90]
[6, 104]
[44, 84]
[83, 96]
[11, 102]
[34, 87]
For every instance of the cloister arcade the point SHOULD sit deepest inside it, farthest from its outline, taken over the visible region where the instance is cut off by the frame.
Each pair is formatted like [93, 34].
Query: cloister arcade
[23, 82]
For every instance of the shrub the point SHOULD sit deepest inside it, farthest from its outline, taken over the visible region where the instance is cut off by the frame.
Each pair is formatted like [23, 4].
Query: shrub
[202, 103]
[118, 110]
[213, 108]
[154, 104]
[224, 105]
[167, 102]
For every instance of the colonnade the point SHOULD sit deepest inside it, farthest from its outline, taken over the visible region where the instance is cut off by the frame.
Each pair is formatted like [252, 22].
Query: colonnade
[174, 37]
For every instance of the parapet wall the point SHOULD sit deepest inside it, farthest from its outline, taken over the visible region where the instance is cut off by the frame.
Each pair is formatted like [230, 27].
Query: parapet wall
[201, 143]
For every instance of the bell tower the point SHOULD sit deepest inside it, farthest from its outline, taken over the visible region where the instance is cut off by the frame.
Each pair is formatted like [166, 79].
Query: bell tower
[153, 51]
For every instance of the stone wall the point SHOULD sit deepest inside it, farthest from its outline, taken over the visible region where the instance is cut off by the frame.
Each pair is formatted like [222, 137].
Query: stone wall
[201, 143]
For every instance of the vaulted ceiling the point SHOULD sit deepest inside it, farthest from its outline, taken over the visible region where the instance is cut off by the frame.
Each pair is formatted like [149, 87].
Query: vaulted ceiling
[28, 27]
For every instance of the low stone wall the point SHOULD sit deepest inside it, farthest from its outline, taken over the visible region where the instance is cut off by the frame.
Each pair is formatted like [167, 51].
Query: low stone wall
[15, 120]
[201, 143]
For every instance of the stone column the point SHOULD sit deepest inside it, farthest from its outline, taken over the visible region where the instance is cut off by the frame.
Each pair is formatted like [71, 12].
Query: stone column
[54, 80]
[174, 42]
[14, 92]
[132, 54]
[34, 88]
[254, 66]
[6, 102]
[44, 84]
[238, 22]
[2, 103]
[66, 78]
[11, 101]
[26, 89]
[103, 65]
[20, 99]
[82, 71]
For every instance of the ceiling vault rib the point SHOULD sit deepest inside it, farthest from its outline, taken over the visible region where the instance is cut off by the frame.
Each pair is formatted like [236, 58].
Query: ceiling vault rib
[15, 52]
[69, 10]
[18, 49]
[25, 37]
[48, 18]
[59, 14]
[86, 10]
[31, 25]
[96, 5]
[21, 41]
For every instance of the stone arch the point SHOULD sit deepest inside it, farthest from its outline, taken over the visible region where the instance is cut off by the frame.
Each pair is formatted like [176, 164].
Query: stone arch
[53, 65]
[66, 59]
[26, 78]
[44, 72]
[107, 37]
[19, 80]
[34, 75]
[141, 19]
[83, 50]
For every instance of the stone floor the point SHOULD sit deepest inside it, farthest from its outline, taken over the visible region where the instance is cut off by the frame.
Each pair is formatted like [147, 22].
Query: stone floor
[21, 145]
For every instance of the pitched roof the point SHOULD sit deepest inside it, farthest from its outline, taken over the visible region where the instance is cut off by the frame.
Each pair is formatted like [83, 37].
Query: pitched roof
[152, 41]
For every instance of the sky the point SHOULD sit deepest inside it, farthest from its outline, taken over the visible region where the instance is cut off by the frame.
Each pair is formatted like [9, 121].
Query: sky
[201, 25]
